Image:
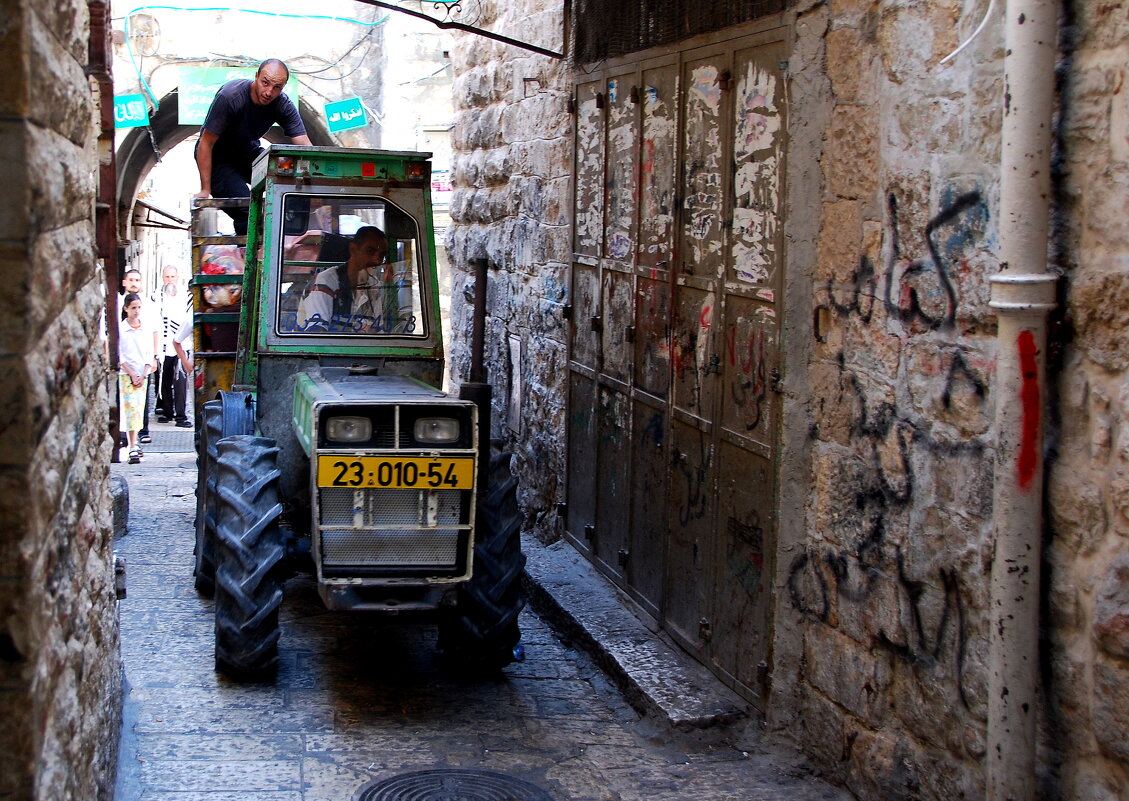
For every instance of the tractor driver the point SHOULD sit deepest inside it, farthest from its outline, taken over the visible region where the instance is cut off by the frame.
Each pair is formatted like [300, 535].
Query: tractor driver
[362, 295]
[241, 112]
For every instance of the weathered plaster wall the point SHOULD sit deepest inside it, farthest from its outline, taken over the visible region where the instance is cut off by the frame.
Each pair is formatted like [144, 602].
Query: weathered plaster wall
[59, 664]
[512, 166]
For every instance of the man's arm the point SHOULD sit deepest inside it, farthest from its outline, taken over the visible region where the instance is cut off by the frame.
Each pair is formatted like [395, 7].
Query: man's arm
[316, 308]
[204, 162]
[185, 359]
[300, 139]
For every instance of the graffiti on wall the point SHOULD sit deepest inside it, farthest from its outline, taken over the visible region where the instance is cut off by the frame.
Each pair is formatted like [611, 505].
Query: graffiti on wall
[871, 571]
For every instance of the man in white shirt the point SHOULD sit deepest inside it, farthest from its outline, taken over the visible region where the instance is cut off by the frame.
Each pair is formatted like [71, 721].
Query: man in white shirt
[175, 309]
[360, 296]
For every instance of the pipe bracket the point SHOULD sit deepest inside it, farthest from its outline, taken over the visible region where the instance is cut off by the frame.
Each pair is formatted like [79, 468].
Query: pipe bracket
[1023, 292]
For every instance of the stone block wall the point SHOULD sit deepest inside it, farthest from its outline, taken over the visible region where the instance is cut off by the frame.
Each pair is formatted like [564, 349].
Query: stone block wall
[1088, 525]
[892, 579]
[512, 166]
[888, 441]
[59, 664]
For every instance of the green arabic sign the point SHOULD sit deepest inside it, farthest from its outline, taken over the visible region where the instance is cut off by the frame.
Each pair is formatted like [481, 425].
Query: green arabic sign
[345, 115]
[198, 85]
[130, 111]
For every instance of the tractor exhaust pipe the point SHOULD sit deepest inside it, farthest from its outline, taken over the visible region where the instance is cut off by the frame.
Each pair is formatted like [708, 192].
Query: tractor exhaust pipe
[477, 389]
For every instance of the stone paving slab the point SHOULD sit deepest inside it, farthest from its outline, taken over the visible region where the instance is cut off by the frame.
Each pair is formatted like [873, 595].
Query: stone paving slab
[656, 677]
[360, 697]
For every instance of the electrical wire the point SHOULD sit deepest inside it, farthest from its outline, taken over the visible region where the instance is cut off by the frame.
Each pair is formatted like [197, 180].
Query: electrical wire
[137, 69]
[975, 33]
[371, 24]
[254, 11]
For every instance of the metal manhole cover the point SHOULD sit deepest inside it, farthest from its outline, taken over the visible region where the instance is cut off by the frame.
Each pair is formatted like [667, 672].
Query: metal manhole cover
[451, 785]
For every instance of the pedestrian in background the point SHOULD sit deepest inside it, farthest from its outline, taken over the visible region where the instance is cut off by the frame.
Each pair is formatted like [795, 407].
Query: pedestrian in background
[175, 311]
[136, 361]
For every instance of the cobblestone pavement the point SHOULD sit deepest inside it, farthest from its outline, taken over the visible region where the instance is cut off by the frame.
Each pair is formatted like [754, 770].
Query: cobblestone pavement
[361, 698]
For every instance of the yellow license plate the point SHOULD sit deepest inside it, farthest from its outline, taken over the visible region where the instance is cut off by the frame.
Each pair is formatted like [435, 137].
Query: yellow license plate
[396, 472]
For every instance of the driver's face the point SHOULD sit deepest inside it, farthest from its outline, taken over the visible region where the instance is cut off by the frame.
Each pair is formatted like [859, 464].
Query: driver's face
[369, 253]
[268, 84]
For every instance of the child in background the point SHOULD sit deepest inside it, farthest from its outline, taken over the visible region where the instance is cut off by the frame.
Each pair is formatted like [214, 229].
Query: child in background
[136, 360]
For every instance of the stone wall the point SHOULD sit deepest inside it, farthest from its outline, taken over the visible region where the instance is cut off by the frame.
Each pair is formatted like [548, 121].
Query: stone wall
[893, 578]
[512, 164]
[888, 444]
[59, 665]
[1088, 555]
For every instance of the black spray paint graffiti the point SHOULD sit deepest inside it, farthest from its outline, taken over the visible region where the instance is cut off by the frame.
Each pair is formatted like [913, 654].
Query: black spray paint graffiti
[903, 294]
[814, 577]
[923, 620]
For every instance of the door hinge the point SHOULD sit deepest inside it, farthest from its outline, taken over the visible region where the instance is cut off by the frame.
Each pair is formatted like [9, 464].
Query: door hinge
[601, 100]
[725, 80]
[705, 630]
[597, 323]
[562, 509]
[622, 556]
[629, 334]
[589, 532]
[566, 311]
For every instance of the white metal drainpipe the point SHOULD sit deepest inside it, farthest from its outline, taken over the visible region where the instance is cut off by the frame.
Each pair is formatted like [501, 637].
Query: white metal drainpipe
[1022, 294]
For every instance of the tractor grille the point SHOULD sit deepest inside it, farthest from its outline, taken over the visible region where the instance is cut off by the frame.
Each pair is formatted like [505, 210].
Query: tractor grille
[389, 528]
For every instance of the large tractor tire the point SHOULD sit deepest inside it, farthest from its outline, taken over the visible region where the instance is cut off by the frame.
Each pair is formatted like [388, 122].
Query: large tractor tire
[210, 433]
[481, 633]
[229, 414]
[248, 550]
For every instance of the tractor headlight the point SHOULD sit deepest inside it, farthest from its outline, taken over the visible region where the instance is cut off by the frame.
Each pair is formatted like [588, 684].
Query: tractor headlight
[348, 429]
[436, 429]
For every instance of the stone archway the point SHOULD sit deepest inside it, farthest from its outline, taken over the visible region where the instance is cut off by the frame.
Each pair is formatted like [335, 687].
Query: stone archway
[138, 151]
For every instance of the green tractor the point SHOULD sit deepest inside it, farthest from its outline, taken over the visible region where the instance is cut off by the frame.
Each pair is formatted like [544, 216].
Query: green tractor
[323, 438]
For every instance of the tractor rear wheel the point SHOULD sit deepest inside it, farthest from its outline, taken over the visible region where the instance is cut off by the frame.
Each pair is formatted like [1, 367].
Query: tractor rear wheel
[482, 632]
[248, 550]
[210, 432]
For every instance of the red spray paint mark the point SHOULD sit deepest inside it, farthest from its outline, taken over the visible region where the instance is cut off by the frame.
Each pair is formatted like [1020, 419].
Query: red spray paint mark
[1029, 395]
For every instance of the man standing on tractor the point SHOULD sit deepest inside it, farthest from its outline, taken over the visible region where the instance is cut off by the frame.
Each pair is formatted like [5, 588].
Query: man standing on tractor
[241, 112]
[361, 295]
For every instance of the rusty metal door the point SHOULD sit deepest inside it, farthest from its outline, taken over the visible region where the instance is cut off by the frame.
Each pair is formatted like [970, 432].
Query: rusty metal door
[749, 343]
[674, 339]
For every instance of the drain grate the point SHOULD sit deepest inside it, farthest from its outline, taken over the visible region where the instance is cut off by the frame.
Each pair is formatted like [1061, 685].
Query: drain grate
[451, 785]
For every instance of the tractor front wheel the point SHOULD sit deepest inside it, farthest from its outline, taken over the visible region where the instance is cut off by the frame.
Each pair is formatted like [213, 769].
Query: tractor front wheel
[248, 550]
[482, 633]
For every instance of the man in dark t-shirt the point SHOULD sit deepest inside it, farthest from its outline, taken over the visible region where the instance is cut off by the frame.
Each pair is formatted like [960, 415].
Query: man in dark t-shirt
[241, 112]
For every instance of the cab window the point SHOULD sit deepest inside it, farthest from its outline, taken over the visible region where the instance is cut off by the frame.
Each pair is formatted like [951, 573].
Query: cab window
[350, 266]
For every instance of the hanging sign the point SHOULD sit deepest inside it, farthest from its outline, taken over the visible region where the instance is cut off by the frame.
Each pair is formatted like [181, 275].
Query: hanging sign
[198, 86]
[345, 115]
[130, 111]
